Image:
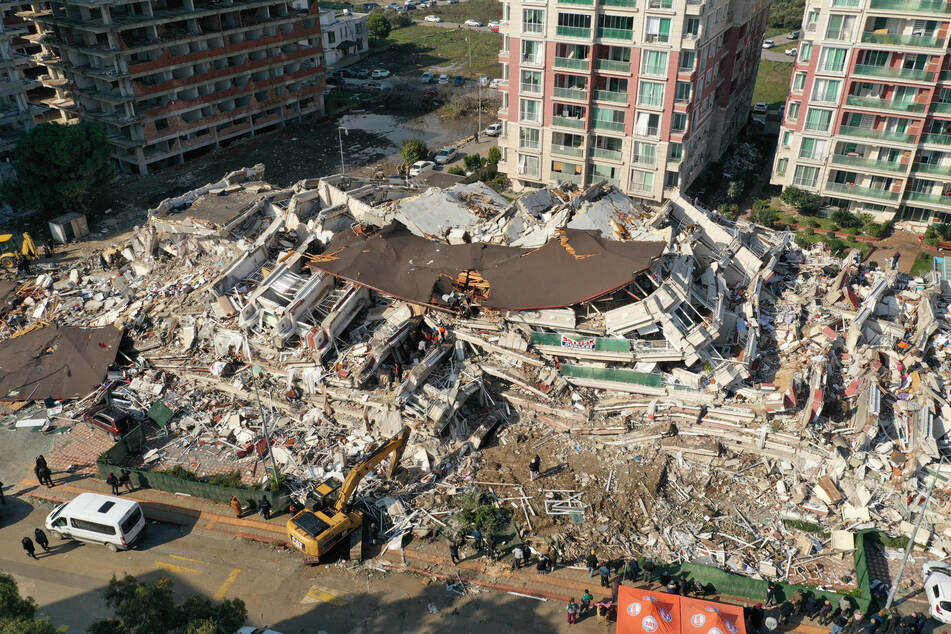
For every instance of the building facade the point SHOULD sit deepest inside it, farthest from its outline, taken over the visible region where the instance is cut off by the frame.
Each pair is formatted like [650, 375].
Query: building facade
[640, 93]
[171, 79]
[868, 120]
[17, 113]
[345, 36]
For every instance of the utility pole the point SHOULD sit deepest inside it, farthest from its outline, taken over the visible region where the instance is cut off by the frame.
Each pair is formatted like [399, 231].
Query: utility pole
[343, 170]
[257, 396]
[480, 108]
[911, 540]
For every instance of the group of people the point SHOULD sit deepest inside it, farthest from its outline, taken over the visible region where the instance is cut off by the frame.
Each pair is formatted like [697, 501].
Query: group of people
[842, 618]
[40, 538]
[264, 507]
[603, 608]
[42, 471]
[124, 480]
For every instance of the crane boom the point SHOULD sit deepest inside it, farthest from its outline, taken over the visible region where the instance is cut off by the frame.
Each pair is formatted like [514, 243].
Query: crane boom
[395, 445]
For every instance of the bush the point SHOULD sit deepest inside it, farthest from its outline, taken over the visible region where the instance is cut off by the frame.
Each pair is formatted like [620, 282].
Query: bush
[766, 217]
[398, 20]
[802, 200]
[378, 25]
[876, 229]
[479, 511]
[801, 240]
[414, 150]
[495, 155]
[812, 222]
[730, 210]
[836, 245]
[846, 220]
[473, 162]
[735, 191]
[455, 169]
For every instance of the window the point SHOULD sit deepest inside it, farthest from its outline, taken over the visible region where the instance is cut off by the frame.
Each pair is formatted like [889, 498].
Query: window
[645, 153]
[833, 60]
[813, 149]
[608, 118]
[647, 124]
[682, 93]
[531, 82]
[642, 181]
[805, 176]
[93, 527]
[798, 82]
[658, 29]
[528, 165]
[679, 122]
[574, 24]
[529, 110]
[655, 63]
[675, 151]
[129, 523]
[533, 21]
[818, 120]
[687, 60]
[529, 138]
[826, 90]
[331, 37]
[805, 52]
[839, 27]
[106, 506]
[811, 19]
[781, 166]
[616, 26]
[787, 136]
[672, 179]
[792, 111]
[691, 27]
[532, 52]
[651, 93]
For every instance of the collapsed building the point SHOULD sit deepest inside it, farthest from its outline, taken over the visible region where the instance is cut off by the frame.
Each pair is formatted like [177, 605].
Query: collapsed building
[727, 380]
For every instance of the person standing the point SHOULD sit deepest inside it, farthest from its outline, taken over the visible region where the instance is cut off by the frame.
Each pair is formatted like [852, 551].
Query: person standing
[454, 553]
[586, 600]
[265, 507]
[40, 538]
[534, 466]
[125, 479]
[235, 505]
[772, 593]
[633, 570]
[47, 477]
[28, 547]
[572, 611]
[683, 585]
[824, 614]
[517, 554]
[605, 573]
[526, 555]
[592, 562]
[113, 481]
[477, 538]
[648, 569]
[3, 500]
[38, 471]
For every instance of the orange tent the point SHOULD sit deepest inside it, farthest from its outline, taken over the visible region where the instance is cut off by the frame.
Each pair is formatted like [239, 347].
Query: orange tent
[710, 617]
[645, 612]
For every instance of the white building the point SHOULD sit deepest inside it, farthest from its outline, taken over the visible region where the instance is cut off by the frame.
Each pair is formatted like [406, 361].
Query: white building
[344, 35]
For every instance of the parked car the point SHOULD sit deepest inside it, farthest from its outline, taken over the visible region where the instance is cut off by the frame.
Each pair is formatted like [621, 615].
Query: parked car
[471, 22]
[426, 78]
[459, 80]
[768, 43]
[363, 74]
[433, 18]
[445, 155]
[937, 576]
[493, 26]
[380, 73]
[112, 420]
[370, 6]
[452, 1]
[444, 78]
[393, 6]
[409, 3]
[410, 7]
[493, 130]
[759, 107]
[99, 519]
[483, 80]
[421, 167]
[793, 35]
[791, 51]
[495, 83]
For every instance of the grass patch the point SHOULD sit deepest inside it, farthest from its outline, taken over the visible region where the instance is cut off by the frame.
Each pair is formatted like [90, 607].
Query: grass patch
[433, 48]
[484, 11]
[922, 264]
[770, 32]
[772, 82]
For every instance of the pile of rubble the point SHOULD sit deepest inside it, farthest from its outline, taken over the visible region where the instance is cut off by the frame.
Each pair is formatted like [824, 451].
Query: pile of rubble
[700, 389]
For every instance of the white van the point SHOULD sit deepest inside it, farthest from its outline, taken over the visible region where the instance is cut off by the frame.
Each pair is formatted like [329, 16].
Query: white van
[101, 519]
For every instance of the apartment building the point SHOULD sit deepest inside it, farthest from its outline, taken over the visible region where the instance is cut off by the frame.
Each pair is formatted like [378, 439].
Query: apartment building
[640, 93]
[868, 119]
[345, 35]
[17, 114]
[171, 79]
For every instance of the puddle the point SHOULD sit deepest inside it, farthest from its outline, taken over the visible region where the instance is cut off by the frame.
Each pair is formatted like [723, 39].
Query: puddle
[430, 128]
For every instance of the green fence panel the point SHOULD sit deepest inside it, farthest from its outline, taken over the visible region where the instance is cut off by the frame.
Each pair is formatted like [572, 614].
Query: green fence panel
[613, 374]
[601, 344]
[160, 413]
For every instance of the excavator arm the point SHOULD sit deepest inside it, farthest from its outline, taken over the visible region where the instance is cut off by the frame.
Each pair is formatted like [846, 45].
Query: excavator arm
[395, 445]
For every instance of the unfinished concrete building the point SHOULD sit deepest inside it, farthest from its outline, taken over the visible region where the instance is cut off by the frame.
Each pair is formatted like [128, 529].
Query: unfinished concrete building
[171, 79]
[16, 113]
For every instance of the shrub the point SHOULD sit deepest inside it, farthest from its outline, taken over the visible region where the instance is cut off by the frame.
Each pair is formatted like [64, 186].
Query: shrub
[836, 245]
[478, 510]
[812, 222]
[765, 217]
[398, 20]
[495, 155]
[801, 240]
[846, 220]
[802, 200]
[730, 210]
[455, 169]
[379, 25]
[414, 150]
[735, 191]
[473, 162]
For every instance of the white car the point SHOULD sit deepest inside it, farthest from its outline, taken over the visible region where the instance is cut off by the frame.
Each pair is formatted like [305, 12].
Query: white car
[768, 44]
[495, 83]
[483, 80]
[380, 73]
[494, 26]
[760, 107]
[472, 23]
[445, 155]
[433, 18]
[791, 52]
[444, 79]
[937, 576]
[421, 167]
[493, 130]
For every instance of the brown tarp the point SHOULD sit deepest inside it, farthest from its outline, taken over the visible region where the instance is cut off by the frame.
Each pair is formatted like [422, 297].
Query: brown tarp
[573, 267]
[60, 363]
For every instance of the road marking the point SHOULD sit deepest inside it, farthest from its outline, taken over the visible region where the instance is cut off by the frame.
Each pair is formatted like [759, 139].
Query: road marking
[197, 561]
[220, 594]
[318, 594]
[176, 568]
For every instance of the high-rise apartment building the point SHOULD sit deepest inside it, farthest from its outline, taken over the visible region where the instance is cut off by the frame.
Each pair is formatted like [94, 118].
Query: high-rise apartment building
[641, 93]
[17, 114]
[868, 119]
[170, 79]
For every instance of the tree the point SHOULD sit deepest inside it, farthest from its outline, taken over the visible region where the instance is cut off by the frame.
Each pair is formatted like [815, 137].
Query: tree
[149, 608]
[805, 202]
[378, 25]
[494, 155]
[18, 615]
[414, 150]
[473, 162]
[60, 167]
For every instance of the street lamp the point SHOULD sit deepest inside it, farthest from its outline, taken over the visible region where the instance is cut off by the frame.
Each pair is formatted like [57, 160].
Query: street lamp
[340, 138]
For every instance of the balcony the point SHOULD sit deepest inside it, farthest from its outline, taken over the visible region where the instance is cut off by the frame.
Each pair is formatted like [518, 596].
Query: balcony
[573, 31]
[644, 161]
[613, 126]
[928, 168]
[934, 199]
[880, 135]
[858, 190]
[857, 161]
[562, 177]
[530, 89]
[938, 139]
[615, 34]
[650, 131]
[630, 4]
[603, 153]
[943, 108]
[610, 95]
[567, 150]
[892, 39]
[916, 6]
[571, 93]
[589, 3]
[884, 104]
[894, 73]
[574, 64]
[945, 75]
[613, 66]
[568, 122]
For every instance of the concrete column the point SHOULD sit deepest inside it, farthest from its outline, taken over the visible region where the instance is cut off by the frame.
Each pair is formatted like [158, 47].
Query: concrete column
[140, 160]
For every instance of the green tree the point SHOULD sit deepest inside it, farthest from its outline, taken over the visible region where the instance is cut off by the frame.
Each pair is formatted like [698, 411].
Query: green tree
[60, 167]
[378, 25]
[494, 155]
[735, 191]
[414, 150]
[473, 162]
[805, 202]
[18, 614]
[149, 608]
[455, 169]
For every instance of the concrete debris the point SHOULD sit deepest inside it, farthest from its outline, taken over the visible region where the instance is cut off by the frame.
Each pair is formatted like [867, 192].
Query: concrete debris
[728, 404]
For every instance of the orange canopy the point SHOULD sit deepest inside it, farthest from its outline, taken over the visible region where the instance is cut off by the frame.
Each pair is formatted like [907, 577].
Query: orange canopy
[710, 617]
[645, 612]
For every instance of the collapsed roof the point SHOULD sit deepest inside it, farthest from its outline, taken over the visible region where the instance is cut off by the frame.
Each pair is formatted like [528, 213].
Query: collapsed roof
[572, 268]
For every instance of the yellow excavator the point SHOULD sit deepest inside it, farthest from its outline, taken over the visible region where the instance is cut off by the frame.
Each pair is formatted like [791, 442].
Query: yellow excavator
[317, 532]
[10, 249]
